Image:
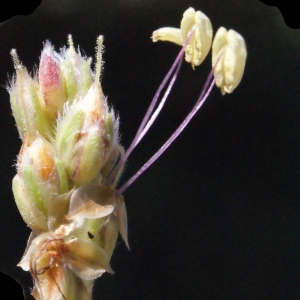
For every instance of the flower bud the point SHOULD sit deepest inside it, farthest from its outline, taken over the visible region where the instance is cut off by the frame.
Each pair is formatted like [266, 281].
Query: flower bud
[28, 109]
[80, 137]
[40, 177]
[76, 71]
[200, 42]
[230, 68]
[31, 215]
[51, 81]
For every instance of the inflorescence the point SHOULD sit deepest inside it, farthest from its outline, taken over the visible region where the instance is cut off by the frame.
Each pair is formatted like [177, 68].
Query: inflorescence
[71, 158]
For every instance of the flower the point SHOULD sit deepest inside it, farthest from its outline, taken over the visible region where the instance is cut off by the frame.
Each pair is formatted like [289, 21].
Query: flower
[65, 260]
[63, 266]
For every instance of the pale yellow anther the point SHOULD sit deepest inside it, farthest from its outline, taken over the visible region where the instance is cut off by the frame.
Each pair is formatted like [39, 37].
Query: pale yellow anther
[230, 67]
[200, 42]
[169, 34]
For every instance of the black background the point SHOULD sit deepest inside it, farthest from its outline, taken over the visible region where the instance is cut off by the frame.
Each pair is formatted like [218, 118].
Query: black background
[218, 215]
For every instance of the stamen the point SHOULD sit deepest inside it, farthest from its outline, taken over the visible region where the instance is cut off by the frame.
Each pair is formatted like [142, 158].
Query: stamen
[168, 142]
[203, 96]
[143, 126]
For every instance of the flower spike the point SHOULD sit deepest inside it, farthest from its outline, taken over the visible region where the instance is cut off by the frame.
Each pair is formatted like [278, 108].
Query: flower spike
[71, 160]
[58, 189]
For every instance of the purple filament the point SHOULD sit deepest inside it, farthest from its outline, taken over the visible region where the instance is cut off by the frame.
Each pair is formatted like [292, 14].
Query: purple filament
[165, 146]
[144, 127]
[210, 81]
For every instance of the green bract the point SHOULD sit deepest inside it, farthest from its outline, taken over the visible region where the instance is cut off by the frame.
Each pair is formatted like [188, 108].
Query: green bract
[28, 109]
[79, 137]
[76, 72]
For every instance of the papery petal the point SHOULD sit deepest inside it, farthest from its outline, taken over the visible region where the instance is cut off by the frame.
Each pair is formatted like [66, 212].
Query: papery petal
[25, 261]
[58, 282]
[33, 248]
[86, 259]
[51, 276]
[169, 34]
[89, 285]
[53, 279]
[108, 235]
[92, 201]
[122, 219]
